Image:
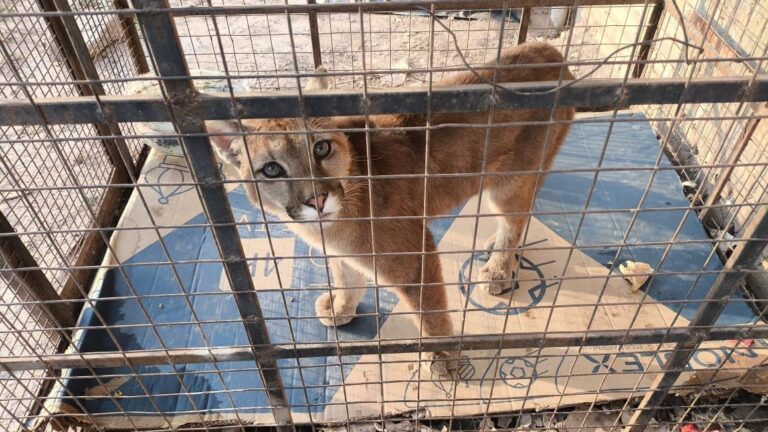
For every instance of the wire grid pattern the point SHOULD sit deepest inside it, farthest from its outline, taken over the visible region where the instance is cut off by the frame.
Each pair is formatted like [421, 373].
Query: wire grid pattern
[235, 44]
[22, 325]
[35, 194]
[32, 164]
[736, 31]
[398, 44]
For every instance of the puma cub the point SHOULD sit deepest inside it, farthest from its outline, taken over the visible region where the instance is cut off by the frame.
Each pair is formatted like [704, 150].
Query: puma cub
[269, 161]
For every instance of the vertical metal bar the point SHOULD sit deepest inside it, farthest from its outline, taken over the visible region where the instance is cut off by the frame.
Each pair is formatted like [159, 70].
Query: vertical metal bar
[525, 21]
[69, 37]
[314, 34]
[165, 48]
[425, 201]
[369, 169]
[134, 41]
[60, 38]
[725, 175]
[745, 257]
[650, 34]
[33, 281]
[94, 245]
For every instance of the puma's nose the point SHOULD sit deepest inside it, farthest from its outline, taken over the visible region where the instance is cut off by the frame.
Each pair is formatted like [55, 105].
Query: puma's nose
[318, 203]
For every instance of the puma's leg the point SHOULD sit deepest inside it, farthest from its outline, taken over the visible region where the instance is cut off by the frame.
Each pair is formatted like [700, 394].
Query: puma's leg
[429, 302]
[513, 201]
[339, 306]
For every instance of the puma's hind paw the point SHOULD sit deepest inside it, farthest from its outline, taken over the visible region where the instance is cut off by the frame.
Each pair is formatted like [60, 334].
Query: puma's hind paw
[493, 281]
[328, 316]
[444, 364]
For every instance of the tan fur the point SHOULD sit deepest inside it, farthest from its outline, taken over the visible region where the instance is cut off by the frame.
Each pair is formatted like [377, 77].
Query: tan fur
[397, 243]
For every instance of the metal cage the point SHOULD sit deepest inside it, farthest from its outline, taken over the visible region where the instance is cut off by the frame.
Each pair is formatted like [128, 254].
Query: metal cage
[667, 163]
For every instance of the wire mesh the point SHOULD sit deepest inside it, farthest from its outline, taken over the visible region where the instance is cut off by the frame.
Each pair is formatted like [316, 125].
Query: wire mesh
[22, 318]
[210, 303]
[37, 197]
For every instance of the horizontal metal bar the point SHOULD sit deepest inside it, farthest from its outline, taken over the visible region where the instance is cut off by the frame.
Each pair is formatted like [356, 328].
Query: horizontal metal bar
[387, 70]
[339, 7]
[468, 98]
[342, 348]
[398, 6]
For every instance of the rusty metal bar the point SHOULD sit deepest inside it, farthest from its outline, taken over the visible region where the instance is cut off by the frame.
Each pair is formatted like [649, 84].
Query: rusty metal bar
[15, 254]
[341, 348]
[348, 102]
[165, 47]
[69, 37]
[94, 247]
[650, 34]
[71, 40]
[134, 41]
[525, 21]
[746, 256]
[314, 34]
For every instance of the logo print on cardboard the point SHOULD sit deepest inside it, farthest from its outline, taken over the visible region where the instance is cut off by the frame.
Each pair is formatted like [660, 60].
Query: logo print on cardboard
[534, 274]
[518, 372]
[169, 176]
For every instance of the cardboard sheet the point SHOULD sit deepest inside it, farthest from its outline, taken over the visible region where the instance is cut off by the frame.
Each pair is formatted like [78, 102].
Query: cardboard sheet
[333, 389]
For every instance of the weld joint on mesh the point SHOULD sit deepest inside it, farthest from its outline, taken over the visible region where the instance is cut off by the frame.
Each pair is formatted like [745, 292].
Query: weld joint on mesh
[365, 104]
[622, 94]
[233, 259]
[209, 181]
[700, 333]
[238, 110]
[184, 104]
[149, 5]
[106, 113]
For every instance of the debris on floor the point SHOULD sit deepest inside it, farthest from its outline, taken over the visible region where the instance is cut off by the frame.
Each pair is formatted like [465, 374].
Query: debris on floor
[594, 421]
[637, 273]
[709, 415]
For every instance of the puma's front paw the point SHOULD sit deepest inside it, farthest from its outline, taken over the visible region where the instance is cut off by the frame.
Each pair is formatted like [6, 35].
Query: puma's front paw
[331, 317]
[494, 281]
[444, 364]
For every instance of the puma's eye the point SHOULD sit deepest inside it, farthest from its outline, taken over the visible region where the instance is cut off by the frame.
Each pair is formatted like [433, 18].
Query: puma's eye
[272, 170]
[322, 148]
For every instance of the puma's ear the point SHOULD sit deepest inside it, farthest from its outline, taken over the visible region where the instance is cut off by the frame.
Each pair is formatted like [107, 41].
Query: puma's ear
[226, 140]
[320, 82]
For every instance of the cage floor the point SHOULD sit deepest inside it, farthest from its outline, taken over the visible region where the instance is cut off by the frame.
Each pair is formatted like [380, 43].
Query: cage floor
[564, 275]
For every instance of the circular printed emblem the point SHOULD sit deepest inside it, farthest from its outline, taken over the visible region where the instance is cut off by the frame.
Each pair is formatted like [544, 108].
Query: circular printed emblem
[517, 372]
[530, 291]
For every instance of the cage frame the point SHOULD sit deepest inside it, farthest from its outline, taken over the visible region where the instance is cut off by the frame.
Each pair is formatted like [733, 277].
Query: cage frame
[188, 109]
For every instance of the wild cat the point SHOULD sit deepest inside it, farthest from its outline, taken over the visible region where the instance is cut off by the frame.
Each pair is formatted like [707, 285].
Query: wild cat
[267, 163]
